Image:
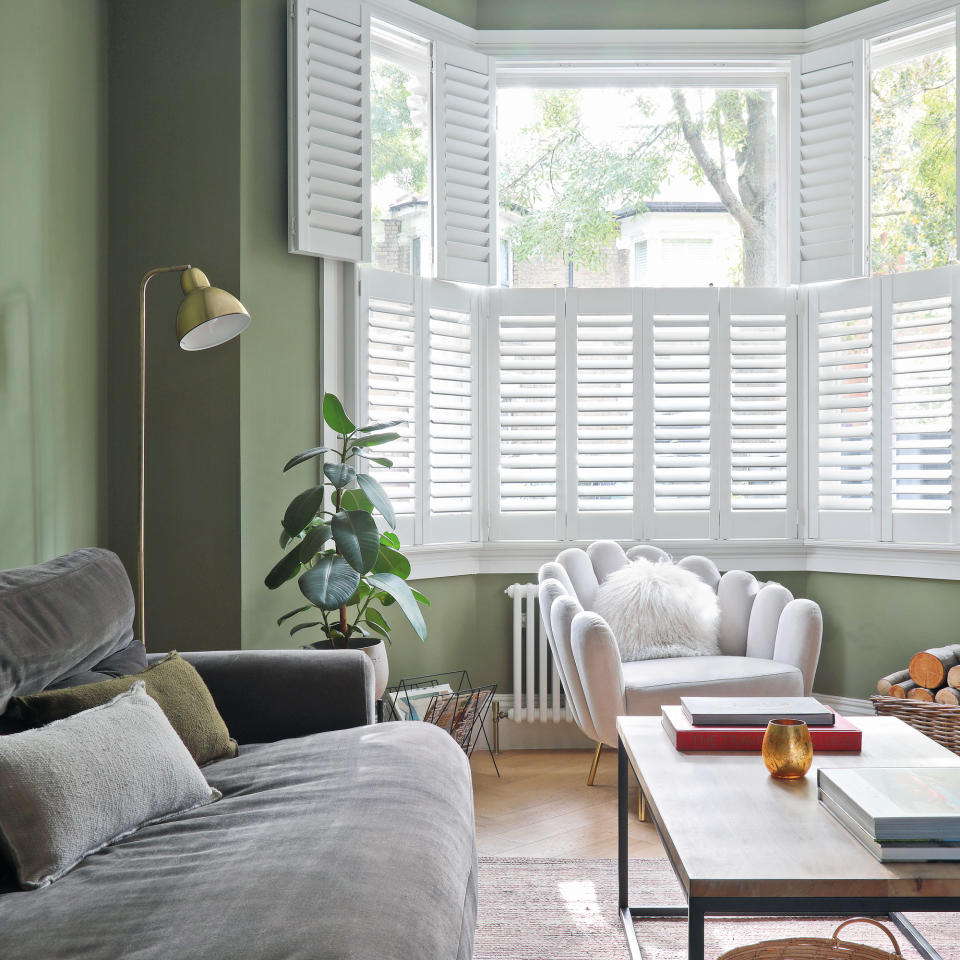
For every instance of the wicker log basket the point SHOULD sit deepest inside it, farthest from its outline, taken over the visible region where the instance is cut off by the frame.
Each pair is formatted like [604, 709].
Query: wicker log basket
[817, 948]
[938, 721]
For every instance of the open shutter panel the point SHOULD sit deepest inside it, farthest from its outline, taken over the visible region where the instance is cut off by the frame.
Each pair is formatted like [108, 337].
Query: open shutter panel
[918, 331]
[389, 384]
[758, 350]
[680, 336]
[829, 116]
[602, 357]
[466, 169]
[451, 412]
[329, 130]
[845, 428]
[526, 359]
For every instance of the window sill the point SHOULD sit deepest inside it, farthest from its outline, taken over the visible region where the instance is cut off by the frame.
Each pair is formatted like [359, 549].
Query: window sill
[524, 558]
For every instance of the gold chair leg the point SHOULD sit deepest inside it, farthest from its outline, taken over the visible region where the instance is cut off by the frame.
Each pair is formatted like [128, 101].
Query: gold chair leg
[641, 806]
[593, 767]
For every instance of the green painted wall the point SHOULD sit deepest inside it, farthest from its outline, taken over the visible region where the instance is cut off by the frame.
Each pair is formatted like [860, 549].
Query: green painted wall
[175, 144]
[465, 11]
[52, 303]
[280, 354]
[819, 11]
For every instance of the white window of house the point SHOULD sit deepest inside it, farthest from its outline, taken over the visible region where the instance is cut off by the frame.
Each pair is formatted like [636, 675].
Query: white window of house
[401, 111]
[913, 149]
[585, 165]
[640, 263]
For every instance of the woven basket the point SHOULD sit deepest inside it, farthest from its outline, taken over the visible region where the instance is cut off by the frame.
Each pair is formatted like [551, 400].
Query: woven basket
[939, 721]
[816, 948]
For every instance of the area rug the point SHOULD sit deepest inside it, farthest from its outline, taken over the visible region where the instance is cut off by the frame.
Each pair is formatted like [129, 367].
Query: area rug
[566, 910]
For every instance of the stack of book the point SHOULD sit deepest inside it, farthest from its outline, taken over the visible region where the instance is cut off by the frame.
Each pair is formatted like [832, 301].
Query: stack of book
[897, 813]
[738, 723]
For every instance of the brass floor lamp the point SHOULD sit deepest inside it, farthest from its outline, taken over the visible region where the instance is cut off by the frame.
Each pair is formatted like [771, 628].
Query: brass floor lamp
[207, 317]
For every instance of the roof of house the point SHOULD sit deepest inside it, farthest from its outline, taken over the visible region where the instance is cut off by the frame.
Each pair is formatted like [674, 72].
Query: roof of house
[671, 206]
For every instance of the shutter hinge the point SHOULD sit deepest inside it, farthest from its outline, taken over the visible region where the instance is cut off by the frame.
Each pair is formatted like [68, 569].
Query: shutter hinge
[292, 9]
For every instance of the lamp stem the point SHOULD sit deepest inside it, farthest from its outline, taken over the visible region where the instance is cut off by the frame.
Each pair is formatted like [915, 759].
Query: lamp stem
[141, 620]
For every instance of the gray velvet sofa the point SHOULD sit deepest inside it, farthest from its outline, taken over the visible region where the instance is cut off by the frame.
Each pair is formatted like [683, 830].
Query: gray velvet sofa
[335, 839]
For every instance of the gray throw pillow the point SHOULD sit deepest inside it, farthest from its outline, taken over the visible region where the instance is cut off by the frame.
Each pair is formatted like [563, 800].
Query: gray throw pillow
[76, 785]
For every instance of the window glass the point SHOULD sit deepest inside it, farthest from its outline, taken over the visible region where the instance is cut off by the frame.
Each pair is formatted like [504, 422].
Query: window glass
[913, 136]
[587, 175]
[400, 135]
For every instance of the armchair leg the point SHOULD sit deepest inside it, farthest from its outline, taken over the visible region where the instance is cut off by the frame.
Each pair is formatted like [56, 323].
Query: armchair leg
[593, 766]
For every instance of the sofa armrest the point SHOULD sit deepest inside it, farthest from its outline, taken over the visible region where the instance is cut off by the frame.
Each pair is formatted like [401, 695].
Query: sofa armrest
[267, 695]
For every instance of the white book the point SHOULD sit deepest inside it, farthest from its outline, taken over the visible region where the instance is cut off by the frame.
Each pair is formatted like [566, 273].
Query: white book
[897, 803]
[754, 711]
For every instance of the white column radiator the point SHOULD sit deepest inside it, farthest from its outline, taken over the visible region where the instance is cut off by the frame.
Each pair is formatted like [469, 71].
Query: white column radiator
[536, 683]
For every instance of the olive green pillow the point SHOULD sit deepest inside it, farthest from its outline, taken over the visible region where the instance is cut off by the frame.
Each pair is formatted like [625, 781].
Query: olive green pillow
[172, 682]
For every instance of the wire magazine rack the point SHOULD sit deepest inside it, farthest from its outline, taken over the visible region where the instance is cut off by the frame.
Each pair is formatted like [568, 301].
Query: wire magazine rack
[461, 712]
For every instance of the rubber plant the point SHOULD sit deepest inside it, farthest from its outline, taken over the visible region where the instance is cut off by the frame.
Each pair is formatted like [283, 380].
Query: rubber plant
[346, 567]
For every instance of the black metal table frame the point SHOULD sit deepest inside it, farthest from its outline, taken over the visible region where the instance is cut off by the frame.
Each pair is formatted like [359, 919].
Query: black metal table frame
[697, 909]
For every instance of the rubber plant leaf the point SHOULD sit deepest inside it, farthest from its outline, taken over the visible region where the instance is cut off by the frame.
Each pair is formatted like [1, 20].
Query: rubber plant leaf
[313, 542]
[396, 588]
[377, 496]
[286, 569]
[303, 508]
[339, 474]
[357, 538]
[335, 416]
[329, 583]
[303, 457]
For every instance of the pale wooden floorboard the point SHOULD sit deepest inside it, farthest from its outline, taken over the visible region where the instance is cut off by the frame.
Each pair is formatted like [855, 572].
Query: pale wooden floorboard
[542, 807]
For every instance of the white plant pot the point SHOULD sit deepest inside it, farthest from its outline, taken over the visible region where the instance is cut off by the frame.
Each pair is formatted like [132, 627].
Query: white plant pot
[377, 652]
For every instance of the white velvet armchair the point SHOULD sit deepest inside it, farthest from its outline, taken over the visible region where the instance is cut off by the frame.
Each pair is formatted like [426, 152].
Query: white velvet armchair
[770, 642]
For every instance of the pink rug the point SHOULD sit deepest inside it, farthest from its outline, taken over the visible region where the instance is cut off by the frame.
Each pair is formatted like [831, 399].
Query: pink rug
[566, 910]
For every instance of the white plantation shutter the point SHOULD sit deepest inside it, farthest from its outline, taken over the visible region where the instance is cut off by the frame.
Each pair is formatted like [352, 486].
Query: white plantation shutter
[389, 386]
[918, 333]
[525, 358]
[452, 413]
[758, 343]
[329, 148]
[845, 383]
[829, 159]
[678, 496]
[602, 357]
[466, 168]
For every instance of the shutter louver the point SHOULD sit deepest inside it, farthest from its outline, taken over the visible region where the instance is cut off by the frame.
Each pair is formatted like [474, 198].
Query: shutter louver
[527, 361]
[603, 360]
[452, 414]
[759, 339]
[828, 138]
[920, 338]
[681, 325]
[844, 320]
[391, 385]
[466, 169]
[329, 130]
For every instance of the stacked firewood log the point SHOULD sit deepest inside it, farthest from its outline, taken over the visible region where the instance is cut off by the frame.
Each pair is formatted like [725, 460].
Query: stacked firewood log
[931, 675]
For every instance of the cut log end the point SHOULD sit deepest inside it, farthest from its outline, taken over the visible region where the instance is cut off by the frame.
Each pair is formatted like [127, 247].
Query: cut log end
[885, 683]
[953, 677]
[921, 693]
[900, 690]
[929, 668]
[949, 696]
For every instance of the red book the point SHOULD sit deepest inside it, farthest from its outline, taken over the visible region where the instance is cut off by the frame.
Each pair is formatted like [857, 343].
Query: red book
[842, 736]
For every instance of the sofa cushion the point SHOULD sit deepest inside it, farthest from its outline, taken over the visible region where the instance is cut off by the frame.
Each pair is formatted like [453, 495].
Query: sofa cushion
[61, 617]
[172, 682]
[353, 844]
[130, 659]
[650, 684]
[73, 786]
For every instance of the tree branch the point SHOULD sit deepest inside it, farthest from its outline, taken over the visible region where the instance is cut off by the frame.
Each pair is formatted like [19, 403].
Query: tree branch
[694, 137]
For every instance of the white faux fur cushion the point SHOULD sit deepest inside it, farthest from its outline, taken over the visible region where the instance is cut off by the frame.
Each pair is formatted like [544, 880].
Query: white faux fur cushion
[658, 610]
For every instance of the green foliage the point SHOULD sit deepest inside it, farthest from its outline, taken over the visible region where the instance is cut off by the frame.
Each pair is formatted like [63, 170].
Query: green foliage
[339, 556]
[566, 186]
[913, 164]
[398, 147]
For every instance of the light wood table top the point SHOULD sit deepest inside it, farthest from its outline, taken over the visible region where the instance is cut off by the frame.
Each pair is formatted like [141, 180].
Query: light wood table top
[732, 830]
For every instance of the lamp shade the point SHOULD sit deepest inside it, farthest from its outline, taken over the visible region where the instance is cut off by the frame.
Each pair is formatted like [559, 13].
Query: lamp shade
[208, 316]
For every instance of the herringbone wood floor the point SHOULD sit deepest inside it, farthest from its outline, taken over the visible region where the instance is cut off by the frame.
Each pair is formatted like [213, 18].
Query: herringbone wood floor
[542, 807]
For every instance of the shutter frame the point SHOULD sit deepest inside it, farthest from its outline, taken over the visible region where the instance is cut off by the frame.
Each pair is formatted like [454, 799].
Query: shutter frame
[466, 237]
[829, 182]
[329, 208]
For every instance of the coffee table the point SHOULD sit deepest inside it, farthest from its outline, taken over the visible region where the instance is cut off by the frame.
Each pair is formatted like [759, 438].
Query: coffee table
[744, 844]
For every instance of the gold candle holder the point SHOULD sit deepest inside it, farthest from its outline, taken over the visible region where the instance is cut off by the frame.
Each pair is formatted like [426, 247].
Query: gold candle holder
[787, 749]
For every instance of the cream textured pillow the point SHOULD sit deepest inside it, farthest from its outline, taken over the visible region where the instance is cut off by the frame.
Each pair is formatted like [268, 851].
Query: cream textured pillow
[658, 610]
[70, 788]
